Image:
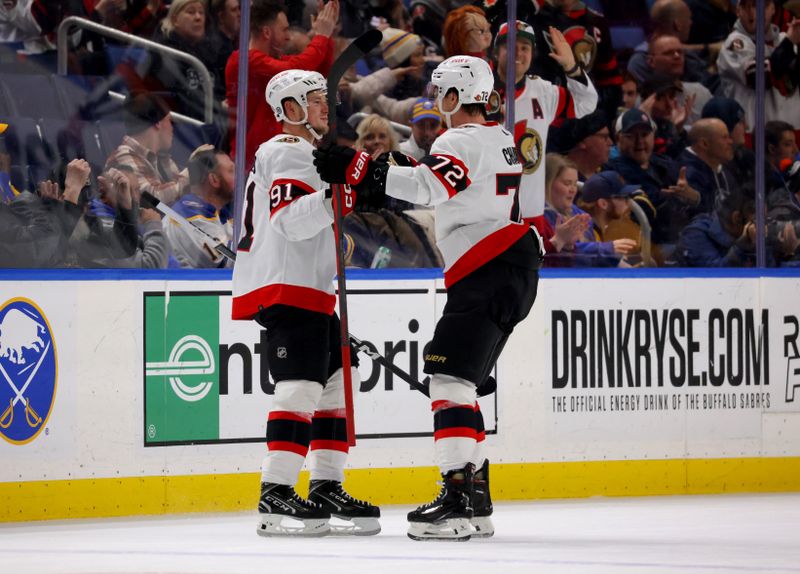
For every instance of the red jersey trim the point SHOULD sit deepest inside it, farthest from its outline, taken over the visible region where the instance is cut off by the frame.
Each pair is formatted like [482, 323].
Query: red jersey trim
[484, 251]
[296, 190]
[450, 189]
[247, 306]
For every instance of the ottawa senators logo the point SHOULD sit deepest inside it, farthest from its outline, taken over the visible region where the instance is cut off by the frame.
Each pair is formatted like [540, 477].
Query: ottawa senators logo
[530, 150]
[583, 42]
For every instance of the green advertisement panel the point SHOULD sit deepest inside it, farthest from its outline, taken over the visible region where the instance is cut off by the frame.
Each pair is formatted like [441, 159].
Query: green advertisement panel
[181, 368]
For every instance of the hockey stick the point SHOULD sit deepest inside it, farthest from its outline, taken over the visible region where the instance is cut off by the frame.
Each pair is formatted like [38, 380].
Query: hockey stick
[357, 49]
[149, 200]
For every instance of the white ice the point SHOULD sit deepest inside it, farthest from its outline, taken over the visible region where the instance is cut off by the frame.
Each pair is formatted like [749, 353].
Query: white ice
[664, 535]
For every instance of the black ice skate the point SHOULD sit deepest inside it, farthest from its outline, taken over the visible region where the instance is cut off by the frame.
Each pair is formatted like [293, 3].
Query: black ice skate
[482, 509]
[361, 517]
[447, 517]
[282, 512]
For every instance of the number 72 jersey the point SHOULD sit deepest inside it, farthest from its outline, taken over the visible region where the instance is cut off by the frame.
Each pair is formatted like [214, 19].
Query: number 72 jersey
[472, 176]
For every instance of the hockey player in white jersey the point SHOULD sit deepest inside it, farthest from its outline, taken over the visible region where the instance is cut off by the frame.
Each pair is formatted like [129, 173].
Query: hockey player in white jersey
[537, 103]
[472, 177]
[283, 278]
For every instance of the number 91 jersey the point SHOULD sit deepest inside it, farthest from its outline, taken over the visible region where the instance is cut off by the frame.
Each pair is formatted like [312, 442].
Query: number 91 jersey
[286, 253]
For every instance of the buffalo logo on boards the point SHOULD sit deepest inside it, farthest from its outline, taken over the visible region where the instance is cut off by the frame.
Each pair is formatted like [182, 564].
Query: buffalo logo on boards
[28, 369]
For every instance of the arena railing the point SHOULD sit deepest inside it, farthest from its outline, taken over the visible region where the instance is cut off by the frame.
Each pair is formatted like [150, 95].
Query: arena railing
[74, 22]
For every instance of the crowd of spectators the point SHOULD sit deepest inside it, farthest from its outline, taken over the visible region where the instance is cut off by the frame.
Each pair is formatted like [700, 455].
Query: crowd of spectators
[656, 168]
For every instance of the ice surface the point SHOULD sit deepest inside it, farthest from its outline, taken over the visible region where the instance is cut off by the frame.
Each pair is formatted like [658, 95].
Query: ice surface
[686, 534]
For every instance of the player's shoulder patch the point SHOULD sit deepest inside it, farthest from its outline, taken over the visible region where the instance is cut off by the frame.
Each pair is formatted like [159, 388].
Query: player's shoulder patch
[288, 139]
[737, 45]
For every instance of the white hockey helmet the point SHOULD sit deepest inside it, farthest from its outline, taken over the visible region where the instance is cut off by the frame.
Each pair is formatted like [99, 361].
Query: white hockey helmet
[295, 84]
[471, 77]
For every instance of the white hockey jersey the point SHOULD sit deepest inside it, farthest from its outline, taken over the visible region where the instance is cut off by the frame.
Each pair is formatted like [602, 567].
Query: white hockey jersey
[537, 104]
[472, 177]
[286, 251]
[192, 250]
[737, 53]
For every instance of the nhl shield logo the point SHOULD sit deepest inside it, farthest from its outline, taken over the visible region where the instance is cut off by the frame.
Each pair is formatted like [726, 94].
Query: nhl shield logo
[28, 369]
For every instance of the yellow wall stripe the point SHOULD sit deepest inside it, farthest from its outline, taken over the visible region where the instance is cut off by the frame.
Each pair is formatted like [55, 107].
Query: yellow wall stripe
[93, 498]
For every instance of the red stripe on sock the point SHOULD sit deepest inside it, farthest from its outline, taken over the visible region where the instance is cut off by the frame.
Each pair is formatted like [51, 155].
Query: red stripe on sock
[481, 436]
[339, 445]
[289, 416]
[331, 414]
[455, 432]
[278, 445]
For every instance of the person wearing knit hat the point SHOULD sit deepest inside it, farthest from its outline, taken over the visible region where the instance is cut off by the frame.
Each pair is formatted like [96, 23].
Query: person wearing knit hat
[144, 152]
[398, 46]
[404, 52]
[585, 141]
[731, 113]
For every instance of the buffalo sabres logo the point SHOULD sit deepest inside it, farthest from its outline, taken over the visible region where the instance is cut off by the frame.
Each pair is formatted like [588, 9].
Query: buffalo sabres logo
[28, 369]
[530, 150]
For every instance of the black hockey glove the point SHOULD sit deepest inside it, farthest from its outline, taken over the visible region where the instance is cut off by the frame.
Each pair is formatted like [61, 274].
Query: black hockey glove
[340, 164]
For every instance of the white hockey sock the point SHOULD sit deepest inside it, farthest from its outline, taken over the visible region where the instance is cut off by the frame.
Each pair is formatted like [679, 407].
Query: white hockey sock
[453, 405]
[329, 445]
[289, 430]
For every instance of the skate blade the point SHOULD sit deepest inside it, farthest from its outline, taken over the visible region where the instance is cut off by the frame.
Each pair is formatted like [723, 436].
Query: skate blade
[345, 526]
[278, 525]
[454, 529]
[482, 527]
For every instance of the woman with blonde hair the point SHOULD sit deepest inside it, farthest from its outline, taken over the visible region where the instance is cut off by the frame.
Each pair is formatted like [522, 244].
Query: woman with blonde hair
[185, 28]
[376, 136]
[466, 32]
[568, 228]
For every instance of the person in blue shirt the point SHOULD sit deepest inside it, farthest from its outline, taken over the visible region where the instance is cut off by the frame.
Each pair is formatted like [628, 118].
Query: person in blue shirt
[561, 189]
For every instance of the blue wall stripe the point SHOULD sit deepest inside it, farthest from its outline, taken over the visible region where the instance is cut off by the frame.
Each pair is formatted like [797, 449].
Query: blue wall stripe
[381, 274]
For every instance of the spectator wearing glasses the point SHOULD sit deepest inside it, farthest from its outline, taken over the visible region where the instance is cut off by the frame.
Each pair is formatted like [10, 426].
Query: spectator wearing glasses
[672, 18]
[585, 141]
[666, 57]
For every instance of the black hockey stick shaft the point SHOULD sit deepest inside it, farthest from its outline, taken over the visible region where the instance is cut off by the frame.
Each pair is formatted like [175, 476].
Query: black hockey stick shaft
[356, 50]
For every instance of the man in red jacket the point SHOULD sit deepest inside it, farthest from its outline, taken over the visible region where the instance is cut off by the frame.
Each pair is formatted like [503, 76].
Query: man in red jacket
[269, 33]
